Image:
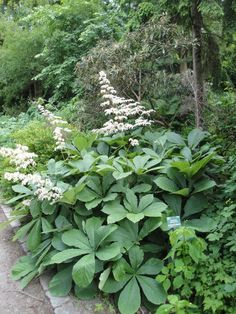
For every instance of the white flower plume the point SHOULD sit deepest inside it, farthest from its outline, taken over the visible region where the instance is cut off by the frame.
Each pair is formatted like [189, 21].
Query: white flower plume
[123, 111]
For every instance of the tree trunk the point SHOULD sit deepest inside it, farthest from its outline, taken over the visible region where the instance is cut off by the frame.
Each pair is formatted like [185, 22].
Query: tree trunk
[197, 63]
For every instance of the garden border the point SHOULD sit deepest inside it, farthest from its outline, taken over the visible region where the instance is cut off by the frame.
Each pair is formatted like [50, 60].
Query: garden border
[60, 305]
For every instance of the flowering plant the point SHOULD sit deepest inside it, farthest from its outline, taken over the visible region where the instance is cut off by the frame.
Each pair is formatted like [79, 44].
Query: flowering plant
[101, 213]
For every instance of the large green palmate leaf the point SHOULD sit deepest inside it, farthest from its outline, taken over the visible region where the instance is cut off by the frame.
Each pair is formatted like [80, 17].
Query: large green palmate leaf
[152, 289]
[115, 211]
[84, 270]
[136, 257]
[61, 284]
[76, 238]
[97, 190]
[130, 293]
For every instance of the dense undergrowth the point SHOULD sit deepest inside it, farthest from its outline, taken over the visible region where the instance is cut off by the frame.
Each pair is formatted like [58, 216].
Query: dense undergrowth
[141, 210]
[97, 211]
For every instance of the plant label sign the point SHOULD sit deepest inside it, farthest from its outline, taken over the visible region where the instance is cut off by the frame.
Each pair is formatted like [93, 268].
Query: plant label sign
[173, 222]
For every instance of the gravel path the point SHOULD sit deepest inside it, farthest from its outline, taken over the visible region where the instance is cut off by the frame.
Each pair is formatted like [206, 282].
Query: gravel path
[12, 299]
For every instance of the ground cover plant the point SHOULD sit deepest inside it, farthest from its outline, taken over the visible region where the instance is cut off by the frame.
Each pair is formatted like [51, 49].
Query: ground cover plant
[98, 213]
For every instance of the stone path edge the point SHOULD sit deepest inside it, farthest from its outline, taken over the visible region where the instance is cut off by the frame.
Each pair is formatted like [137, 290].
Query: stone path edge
[60, 305]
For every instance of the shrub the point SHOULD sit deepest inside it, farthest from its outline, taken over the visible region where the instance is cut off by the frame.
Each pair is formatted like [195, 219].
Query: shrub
[39, 138]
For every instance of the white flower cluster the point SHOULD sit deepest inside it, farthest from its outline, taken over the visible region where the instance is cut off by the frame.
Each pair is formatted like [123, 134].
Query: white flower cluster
[133, 142]
[26, 203]
[121, 109]
[45, 189]
[19, 156]
[59, 131]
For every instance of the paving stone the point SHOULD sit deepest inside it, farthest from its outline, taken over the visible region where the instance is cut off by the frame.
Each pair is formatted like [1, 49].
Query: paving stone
[45, 279]
[77, 307]
[56, 301]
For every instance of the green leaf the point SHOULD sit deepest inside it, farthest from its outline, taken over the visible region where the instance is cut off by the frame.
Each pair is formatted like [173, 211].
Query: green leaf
[61, 284]
[149, 225]
[194, 205]
[94, 203]
[131, 292]
[86, 293]
[200, 164]
[122, 270]
[35, 208]
[152, 289]
[115, 211]
[203, 185]
[175, 138]
[118, 175]
[69, 197]
[152, 267]
[21, 233]
[18, 188]
[83, 271]
[112, 286]
[86, 195]
[108, 252]
[155, 209]
[92, 225]
[57, 242]
[47, 208]
[203, 224]
[145, 201]
[178, 282]
[136, 256]
[103, 277]
[103, 233]
[166, 184]
[24, 266]
[182, 192]
[195, 137]
[142, 188]
[65, 255]
[34, 237]
[46, 226]
[77, 238]
[135, 217]
[27, 279]
[174, 202]
[131, 200]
